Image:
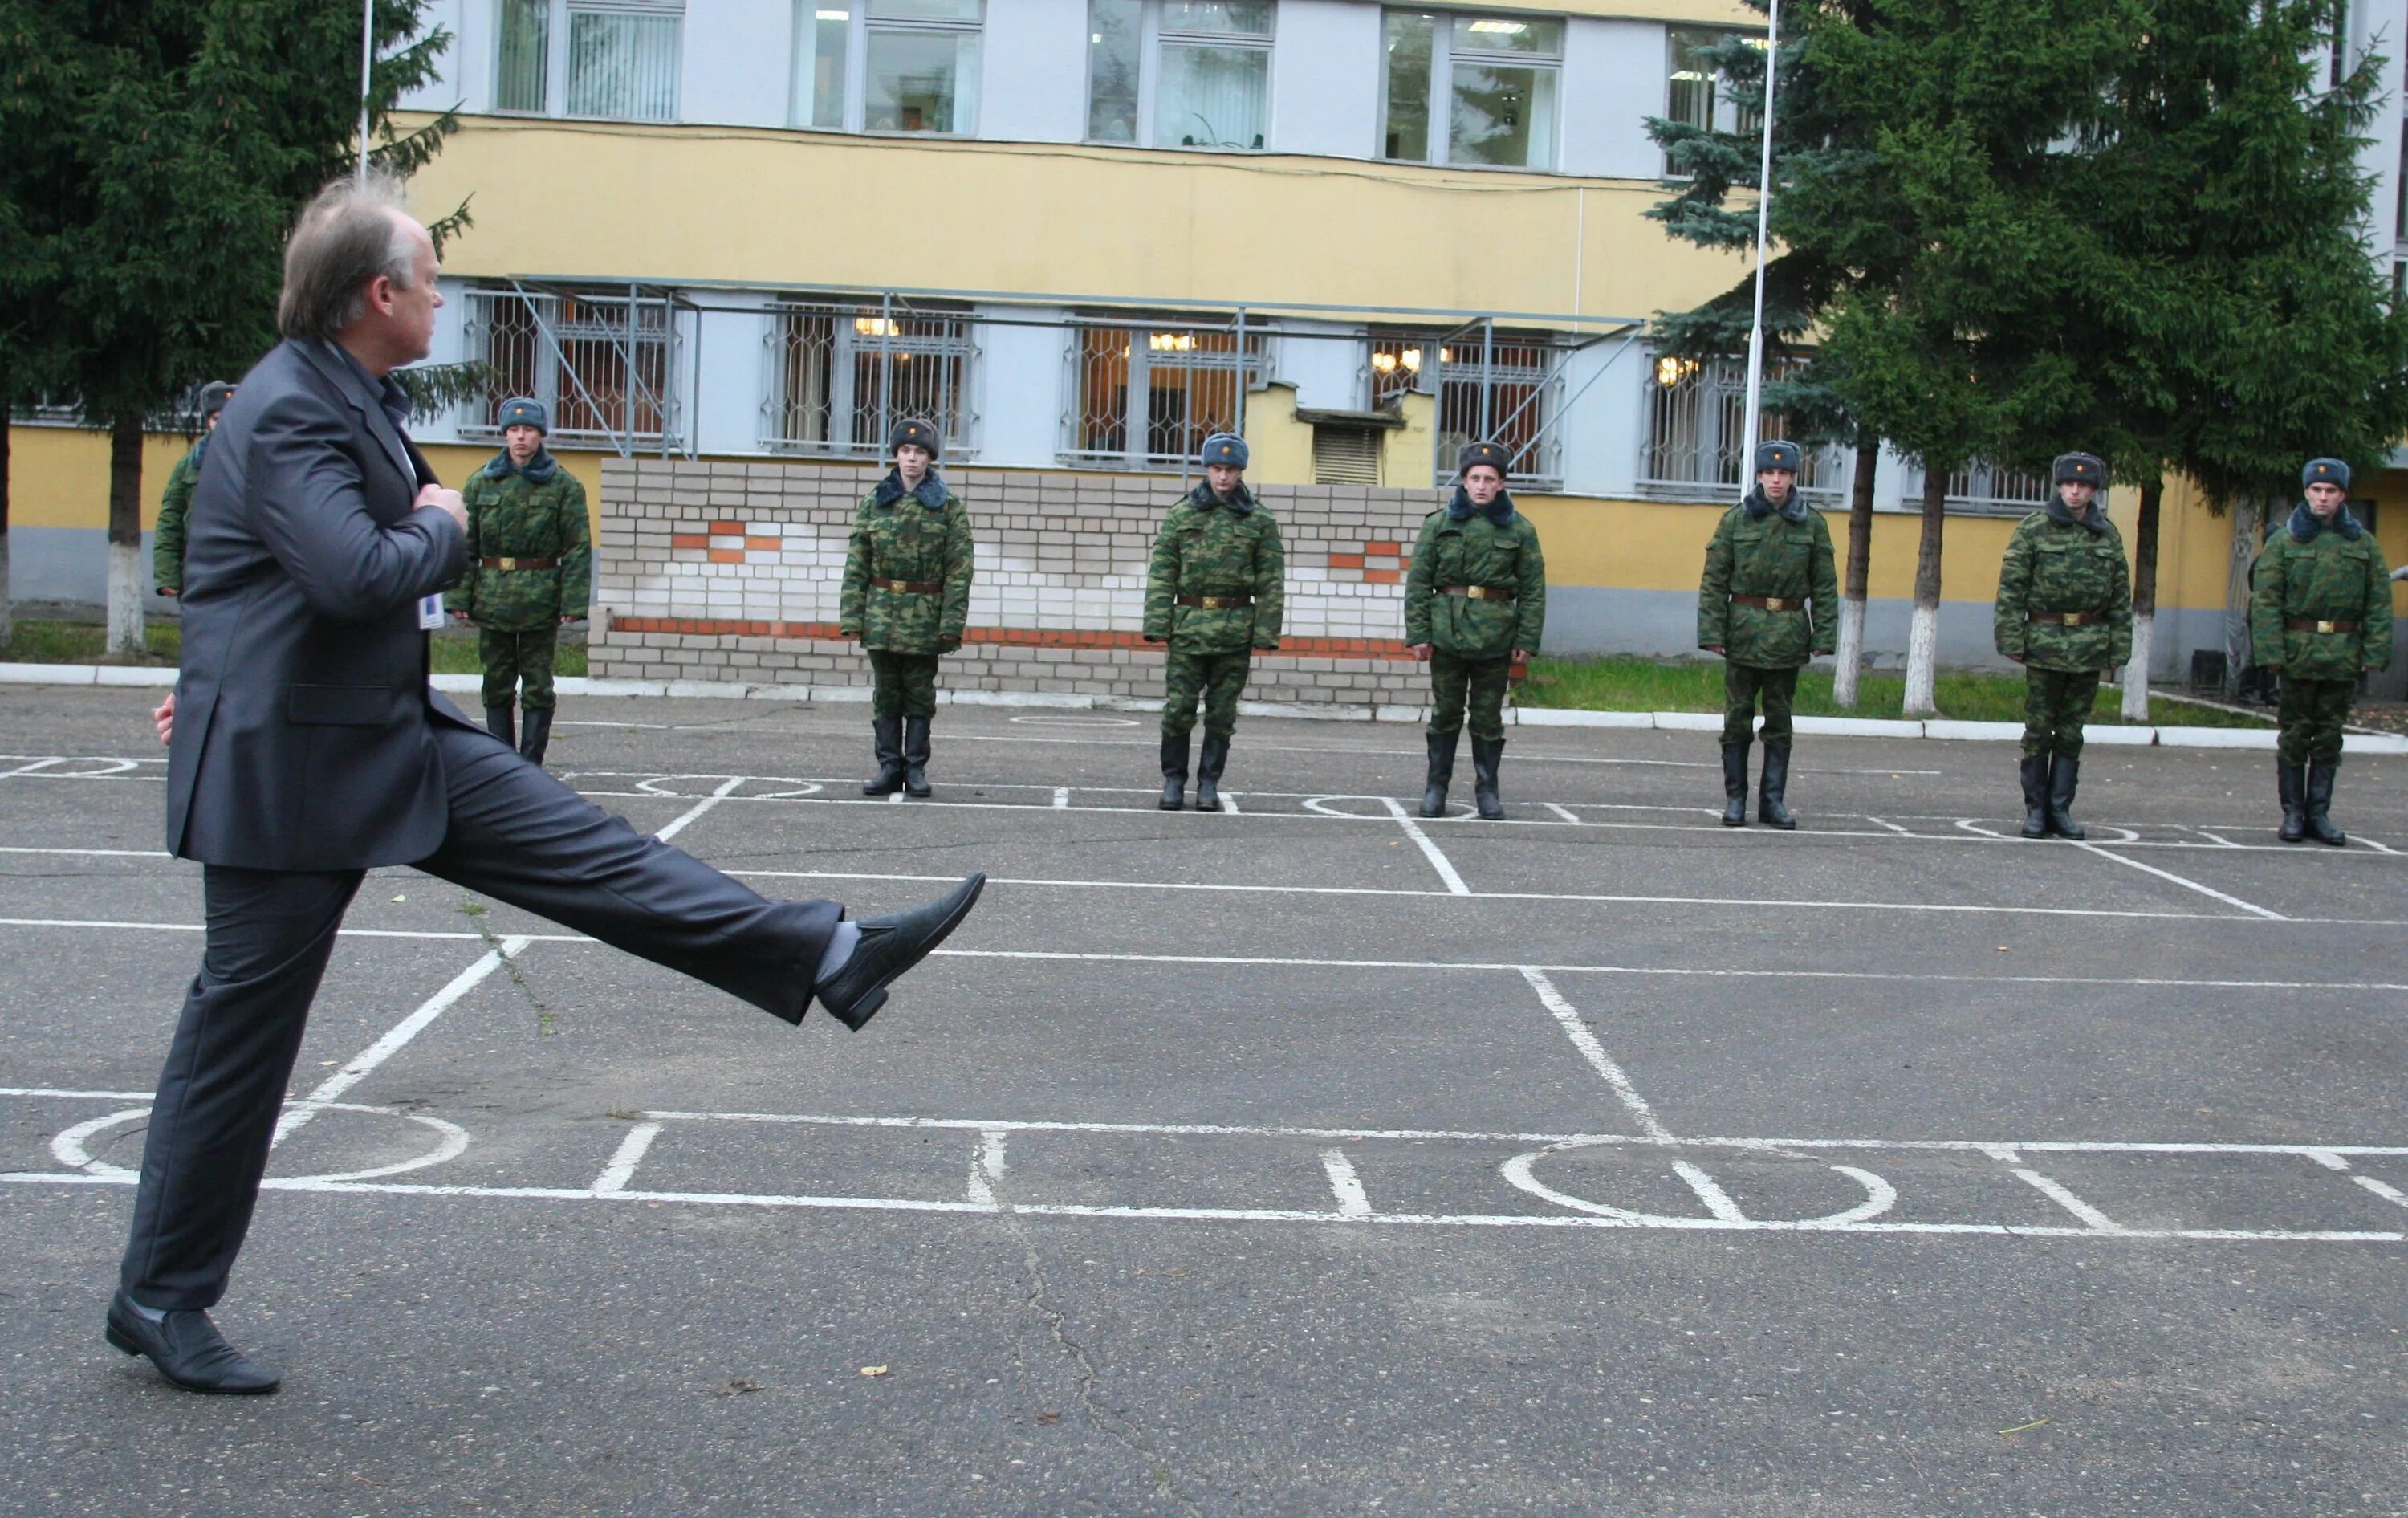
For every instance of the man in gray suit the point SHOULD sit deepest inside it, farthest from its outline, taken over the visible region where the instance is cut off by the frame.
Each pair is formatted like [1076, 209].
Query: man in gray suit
[305, 747]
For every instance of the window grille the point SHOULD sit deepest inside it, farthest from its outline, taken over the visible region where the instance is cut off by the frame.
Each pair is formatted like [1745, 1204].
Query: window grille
[1502, 387]
[1696, 423]
[841, 373]
[1982, 490]
[602, 362]
[1147, 394]
[1470, 89]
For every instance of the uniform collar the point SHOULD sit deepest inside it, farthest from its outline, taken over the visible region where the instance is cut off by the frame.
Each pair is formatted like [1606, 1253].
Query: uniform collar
[1499, 511]
[2303, 525]
[1239, 501]
[2092, 519]
[930, 492]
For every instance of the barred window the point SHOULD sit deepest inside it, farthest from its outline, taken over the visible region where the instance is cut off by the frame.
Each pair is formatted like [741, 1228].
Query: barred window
[1148, 392]
[602, 362]
[1179, 73]
[1696, 426]
[1504, 387]
[841, 373]
[1983, 489]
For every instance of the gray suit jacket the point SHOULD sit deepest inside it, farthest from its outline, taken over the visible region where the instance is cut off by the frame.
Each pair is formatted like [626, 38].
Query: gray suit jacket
[302, 738]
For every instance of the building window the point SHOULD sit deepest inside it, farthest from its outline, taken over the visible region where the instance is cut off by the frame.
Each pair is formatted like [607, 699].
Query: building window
[1490, 81]
[1499, 386]
[1148, 392]
[1983, 489]
[840, 375]
[1696, 423]
[613, 59]
[602, 361]
[1179, 73]
[1695, 91]
[887, 66]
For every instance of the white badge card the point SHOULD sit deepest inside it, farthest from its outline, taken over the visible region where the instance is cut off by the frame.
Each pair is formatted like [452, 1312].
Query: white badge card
[430, 614]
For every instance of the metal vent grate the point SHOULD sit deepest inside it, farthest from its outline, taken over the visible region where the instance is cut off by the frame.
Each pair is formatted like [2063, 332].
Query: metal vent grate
[1345, 455]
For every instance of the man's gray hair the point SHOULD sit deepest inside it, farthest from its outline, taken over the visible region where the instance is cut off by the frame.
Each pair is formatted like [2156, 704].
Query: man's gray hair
[349, 235]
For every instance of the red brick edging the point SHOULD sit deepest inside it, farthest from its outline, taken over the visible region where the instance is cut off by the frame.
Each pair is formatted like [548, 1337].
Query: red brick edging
[1044, 637]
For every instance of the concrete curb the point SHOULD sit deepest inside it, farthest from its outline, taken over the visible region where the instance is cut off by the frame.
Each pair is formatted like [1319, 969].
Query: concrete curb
[2260, 739]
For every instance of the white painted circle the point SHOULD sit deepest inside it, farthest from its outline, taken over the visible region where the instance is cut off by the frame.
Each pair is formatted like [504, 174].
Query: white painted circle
[1879, 1197]
[71, 1146]
[1319, 804]
[653, 786]
[1077, 722]
[788, 789]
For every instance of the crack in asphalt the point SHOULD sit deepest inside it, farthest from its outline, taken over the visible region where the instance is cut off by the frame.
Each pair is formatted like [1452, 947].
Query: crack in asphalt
[1115, 1427]
[545, 1019]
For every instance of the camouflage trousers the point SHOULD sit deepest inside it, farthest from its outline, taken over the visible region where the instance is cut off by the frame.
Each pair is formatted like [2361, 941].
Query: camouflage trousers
[2312, 712]
[1742, 686]
[1218, 677]
[902, 685]
[2057, 702]
[1479, 684]
[510, 658]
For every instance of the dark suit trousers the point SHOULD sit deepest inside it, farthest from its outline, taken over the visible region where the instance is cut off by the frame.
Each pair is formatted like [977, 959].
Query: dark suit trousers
[516, 835]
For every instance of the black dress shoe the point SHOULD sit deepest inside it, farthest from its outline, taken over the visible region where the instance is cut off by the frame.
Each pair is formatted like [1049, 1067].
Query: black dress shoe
[889, 946]
[187, 1349]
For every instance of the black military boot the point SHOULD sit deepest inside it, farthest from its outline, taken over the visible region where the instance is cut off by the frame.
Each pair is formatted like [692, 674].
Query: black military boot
[915, 757]
[1486, 751]
[1735, 784]
[1442, 772]
[497, 722]
[538, 737]
[1772, 787]
[2320, 789]
[887, 733]
[1209, 765]
[2291, 782]
[1174, 771]
[2064, 778]
[2035, 776]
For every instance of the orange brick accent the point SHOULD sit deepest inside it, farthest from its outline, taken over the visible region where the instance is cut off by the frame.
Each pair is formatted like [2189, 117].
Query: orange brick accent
[727, 555]
[1384, 547]
[1346, 561]
[727, 529]
[768, 545]
[1382, 577]
[689, 540]
[1047, 637]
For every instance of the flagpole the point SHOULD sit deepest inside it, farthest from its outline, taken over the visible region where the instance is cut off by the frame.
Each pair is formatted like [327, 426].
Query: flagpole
[1763, 222]
[367, 77]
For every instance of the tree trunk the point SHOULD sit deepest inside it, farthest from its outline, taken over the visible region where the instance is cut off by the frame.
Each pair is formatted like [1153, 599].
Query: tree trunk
[1922, 628]
[1851, 659]
[127, 582]
[2145, 603]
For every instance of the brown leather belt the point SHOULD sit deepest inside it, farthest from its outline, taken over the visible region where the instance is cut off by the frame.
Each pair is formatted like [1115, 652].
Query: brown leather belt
[910, 587]
[521, 564]
[2310, 624]
[1479, 593]
[1770, 603]
[2068, 619]
[1216, 602]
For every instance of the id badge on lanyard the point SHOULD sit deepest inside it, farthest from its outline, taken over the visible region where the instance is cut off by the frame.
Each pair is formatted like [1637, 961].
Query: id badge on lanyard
[430, 614]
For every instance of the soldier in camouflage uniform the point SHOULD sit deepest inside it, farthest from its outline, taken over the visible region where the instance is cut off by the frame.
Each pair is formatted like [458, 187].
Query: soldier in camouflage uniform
[1768, 601]
[1214, 591]
[530, 568]
[2064, 612]
[2320, 614]
[1475, 601]
[907, 594]
[167, 544]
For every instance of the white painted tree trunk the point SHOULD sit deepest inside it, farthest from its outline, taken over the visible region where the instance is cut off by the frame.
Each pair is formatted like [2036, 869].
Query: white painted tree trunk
[7, 617]
[1922, 660]
[1851, 656]
[128, 582]
[2136, 671]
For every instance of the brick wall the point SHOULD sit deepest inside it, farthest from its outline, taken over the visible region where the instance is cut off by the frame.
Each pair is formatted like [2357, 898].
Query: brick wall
[729, 572]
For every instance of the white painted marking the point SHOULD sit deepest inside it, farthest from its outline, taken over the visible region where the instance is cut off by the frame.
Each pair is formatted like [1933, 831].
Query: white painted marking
[630, 1153]
[1892, 826]
[296, 1116]
[1568, 1017]
[986, 1168]
[94, 853]
[2327, 1158]
[680, 824]
[1879, 1197]
[1717, 1200]
[34, 769]
[76, 1096]
[1229, 804]
[2096, 1220]
[2379, 848]
[1430, 851]
[1345, 1184]
[2389, 1193]
[71, 1148]
[1061, 798]
[2218, 837]
[2187, 883]
[1564, 812]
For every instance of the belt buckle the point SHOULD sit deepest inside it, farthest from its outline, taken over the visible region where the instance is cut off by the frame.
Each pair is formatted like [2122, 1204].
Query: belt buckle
[2323, 626]
[1774, 603]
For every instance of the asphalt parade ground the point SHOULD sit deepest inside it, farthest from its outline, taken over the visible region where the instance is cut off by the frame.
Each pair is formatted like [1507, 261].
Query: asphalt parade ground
[1309, 1158]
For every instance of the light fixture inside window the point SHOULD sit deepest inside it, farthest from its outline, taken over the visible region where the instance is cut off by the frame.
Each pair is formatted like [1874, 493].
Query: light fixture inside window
[1384, 362]
[1172, 342]
[1411, 359]
[1507, 28]
[875, 327]
[1671, 371]
[832, 15]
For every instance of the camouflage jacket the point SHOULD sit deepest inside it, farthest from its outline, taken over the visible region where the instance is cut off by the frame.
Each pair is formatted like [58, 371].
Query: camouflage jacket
[1476, 550]
[1758, 551]
[1208, 549]
[538, 512]
[2334, 576]
[175, 503]
[916, 537]
[2056, 564]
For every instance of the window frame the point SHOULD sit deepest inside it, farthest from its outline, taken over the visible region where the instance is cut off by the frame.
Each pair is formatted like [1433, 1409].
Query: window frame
[557, 15]
[1439, 152]
[1252, 361]
[850, 341]
[1151, 36]
[859, 24]
[1820, 483]
[636, 325]
[1722, 113]
[1451, 357]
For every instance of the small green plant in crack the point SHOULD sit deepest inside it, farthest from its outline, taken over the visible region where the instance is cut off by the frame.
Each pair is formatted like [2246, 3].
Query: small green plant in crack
[545, 1023]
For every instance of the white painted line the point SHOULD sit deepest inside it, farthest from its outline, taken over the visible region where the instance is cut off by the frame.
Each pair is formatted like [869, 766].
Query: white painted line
[2379, 848]
[1229, 804]
[2389, 1193]
[2093, 1220]
[94, 853]
[296, 1115]
[1892, 826]
[2327, 1158]
[36, 767]
[2218, 837]
[680, 823]
[1717, 1200]
[986, 1170]
[1345, 1184]
[894, 799]
[622, 1169]
[1061, 798]
[1563, 812]
[2209, 890]
[76, 1096]
[1568, 1018]
[1430, 851]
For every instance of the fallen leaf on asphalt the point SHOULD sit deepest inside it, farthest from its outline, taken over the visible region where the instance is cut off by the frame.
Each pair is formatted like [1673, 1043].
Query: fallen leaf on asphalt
[736, 1387]
[2021, 1428]
[873, 1370]
[1049, 1417]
